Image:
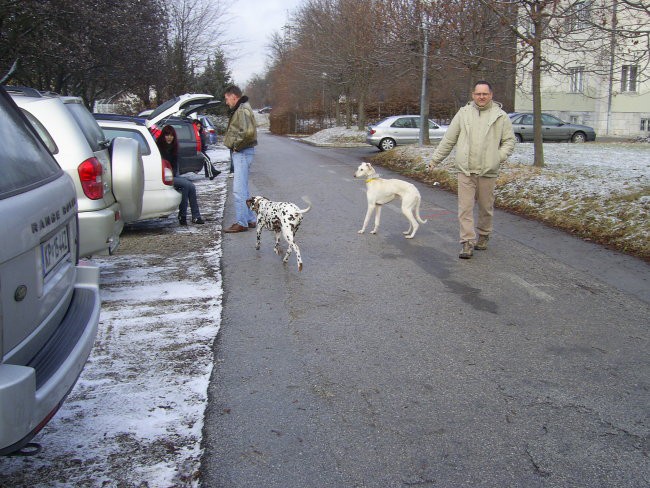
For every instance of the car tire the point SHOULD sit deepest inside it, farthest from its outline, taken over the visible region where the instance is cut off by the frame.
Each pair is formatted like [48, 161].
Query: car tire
[386, 144]
[579, 137]
[519, 138]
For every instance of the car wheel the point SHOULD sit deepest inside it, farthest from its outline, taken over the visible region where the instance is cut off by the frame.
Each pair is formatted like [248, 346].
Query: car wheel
[579, 137]
[386, 144]
[519, 138]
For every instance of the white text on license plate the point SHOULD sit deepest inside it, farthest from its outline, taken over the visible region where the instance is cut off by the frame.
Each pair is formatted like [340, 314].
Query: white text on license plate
[54, 250]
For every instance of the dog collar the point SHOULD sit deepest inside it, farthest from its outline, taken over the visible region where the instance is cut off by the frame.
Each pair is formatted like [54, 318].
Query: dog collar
[371, 179]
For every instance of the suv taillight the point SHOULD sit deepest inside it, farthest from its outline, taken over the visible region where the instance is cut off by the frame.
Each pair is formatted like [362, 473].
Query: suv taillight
[90, 174]
[197, 136]
[155, 131]
[167, 173]
[372, 131]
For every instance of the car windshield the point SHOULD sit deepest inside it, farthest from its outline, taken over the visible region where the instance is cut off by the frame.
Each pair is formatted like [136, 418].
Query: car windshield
[26, 163]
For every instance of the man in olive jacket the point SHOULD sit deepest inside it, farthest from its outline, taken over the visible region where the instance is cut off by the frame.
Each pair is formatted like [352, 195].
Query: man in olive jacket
[482, 134]
[241, 139]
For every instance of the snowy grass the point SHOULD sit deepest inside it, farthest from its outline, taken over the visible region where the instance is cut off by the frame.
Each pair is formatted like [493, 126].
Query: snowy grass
[597, 191]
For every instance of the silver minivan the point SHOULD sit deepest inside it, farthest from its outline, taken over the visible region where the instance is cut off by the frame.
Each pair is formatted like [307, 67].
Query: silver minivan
[49, 305]
[108, 176]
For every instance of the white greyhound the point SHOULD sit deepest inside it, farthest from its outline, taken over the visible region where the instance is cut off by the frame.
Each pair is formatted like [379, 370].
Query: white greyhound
[381, 191]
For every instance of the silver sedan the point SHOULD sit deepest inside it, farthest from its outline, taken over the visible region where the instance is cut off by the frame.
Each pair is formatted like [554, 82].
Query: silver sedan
[400, 129]
[553, 129]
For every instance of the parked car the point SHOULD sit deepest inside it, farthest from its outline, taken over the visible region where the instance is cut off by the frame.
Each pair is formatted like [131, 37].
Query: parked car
[176, 112]
[400, 129]
[49, 305]
[553, 129]
[265, 110]
[209, 128]
[108, 176]
[159, 199]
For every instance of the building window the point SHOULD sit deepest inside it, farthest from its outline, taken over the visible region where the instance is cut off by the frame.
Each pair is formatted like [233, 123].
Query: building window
[628, 78]
[576, 75]
[645, 125]
[578, 16]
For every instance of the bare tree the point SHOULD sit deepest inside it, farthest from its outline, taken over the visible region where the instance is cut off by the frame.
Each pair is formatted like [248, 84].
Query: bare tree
[196, 29]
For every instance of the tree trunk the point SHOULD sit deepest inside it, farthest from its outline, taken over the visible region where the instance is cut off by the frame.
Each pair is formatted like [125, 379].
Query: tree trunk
[361, 108]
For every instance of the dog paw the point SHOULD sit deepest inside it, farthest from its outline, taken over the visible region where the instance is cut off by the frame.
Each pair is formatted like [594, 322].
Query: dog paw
[361, 231]
[373, 232]
[410, 237]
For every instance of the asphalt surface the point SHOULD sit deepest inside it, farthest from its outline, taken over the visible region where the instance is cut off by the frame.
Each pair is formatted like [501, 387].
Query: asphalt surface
[390, 362]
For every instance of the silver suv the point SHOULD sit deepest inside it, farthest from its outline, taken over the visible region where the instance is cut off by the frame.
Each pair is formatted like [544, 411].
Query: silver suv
[49, 306]
[108, 176]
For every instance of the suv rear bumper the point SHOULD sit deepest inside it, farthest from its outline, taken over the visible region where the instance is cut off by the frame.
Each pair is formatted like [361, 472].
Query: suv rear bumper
[99, 231]
[30, 395]
[160, 203]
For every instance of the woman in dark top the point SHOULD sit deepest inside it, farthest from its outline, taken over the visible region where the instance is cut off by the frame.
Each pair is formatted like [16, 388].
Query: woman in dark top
[168, 146]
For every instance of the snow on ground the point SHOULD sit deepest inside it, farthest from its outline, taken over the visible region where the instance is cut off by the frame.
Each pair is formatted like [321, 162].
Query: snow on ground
[135, 417]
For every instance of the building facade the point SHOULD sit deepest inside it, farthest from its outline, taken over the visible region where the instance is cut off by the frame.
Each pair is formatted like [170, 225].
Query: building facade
[596, 73]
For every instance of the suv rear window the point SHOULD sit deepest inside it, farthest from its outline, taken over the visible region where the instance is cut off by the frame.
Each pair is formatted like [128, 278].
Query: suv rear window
[112, 132]
[25, 161]
[92, 131]
[161, 108]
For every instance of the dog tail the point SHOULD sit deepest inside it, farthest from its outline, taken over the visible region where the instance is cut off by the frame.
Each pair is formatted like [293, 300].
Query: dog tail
[308, 202]
[417, 213]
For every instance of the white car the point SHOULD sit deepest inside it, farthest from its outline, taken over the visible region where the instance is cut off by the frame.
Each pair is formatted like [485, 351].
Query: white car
[181, 106]
[49, 305]
[400, 129]
[108, 176]
[159, 199]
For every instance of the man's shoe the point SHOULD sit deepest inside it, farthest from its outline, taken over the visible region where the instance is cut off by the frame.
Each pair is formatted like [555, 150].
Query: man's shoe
[235, 228]
[182, 221]
[252, 225]
[467, 251]
[198, 220]
[482, 242]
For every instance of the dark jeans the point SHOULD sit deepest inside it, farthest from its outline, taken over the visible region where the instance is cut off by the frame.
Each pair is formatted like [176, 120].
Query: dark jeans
[188, 192]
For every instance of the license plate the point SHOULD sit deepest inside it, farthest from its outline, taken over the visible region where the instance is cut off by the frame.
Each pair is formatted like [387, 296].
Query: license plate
[54, 250]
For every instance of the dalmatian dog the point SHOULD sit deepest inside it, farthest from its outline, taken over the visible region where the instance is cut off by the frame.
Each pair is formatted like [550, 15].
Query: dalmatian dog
[283, 218]
[381, 191]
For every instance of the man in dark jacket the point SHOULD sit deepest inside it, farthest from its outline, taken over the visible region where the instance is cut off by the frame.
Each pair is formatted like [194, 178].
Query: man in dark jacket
[241, 139]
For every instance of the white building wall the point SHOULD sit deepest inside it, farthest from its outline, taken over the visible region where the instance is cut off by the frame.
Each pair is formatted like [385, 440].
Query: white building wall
[591, 106]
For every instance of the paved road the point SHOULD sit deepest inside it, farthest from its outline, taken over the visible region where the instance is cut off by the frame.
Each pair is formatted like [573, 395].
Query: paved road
[392, 363]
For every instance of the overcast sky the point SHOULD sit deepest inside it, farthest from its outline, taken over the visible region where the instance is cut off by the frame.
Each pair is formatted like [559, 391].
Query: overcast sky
[254, 21]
